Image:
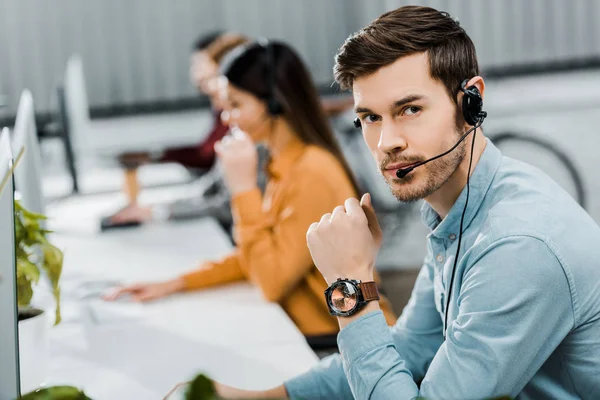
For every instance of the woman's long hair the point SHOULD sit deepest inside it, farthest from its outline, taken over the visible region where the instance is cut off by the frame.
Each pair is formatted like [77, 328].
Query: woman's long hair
[279, 73]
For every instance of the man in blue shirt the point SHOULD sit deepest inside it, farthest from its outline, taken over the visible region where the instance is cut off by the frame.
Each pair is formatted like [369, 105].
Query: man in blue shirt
[518, 312]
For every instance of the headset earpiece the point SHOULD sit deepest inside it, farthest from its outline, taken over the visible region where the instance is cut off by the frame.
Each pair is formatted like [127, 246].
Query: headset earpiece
[472, 104]
[274, 107]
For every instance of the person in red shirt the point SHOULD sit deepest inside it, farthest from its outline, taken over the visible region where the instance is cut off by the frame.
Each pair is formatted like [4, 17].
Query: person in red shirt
[208, 51]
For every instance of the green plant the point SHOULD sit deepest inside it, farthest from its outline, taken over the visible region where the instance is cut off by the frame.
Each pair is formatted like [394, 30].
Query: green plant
[34, 252]
[56, 393]
[201, 388]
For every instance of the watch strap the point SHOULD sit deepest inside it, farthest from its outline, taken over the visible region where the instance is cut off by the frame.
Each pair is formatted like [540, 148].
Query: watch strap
[369, 291]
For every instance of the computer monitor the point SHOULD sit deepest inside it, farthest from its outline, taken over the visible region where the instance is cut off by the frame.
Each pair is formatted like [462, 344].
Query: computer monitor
[9, 333]
[28, 159]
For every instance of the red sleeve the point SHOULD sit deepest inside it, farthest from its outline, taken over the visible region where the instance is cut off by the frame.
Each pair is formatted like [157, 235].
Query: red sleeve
[202, 155]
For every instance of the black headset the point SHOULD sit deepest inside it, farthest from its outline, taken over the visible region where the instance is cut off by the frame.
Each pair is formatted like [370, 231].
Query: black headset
[472, 105]
[273, 105]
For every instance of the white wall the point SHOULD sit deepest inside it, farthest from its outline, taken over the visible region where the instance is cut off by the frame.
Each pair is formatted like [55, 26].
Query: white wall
[137, 50]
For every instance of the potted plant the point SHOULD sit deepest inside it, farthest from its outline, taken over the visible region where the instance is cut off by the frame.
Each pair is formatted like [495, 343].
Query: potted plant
[34, 253]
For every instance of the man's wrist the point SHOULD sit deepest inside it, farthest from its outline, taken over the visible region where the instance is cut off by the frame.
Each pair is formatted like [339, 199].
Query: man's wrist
[370, 307]
[359, 275]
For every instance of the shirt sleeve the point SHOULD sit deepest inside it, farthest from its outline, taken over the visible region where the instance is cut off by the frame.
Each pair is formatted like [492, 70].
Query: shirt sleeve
[514, 309]
[274, 253]
[417, 335]
[215, 273]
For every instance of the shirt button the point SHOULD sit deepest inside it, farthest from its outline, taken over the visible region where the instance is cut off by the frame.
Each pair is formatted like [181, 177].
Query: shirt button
[452, 236]
[440, 258]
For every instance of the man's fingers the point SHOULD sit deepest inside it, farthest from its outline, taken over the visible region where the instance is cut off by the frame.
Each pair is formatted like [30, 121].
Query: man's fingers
[369, 211]
[353, 207]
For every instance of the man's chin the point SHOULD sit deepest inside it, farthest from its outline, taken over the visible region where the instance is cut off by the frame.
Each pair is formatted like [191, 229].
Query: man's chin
[405, 197]
[405, 192]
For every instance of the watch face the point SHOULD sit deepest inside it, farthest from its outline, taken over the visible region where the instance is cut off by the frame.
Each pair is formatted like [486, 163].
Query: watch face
[343, 297]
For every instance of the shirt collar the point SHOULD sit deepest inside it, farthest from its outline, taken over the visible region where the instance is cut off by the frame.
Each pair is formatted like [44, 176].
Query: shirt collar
[281, 164]
[480, 181]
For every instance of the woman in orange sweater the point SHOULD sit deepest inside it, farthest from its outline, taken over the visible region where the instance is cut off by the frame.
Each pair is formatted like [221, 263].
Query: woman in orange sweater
[270, 98]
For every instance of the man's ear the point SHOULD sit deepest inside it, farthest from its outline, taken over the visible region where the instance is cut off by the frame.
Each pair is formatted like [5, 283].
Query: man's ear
[479, 83]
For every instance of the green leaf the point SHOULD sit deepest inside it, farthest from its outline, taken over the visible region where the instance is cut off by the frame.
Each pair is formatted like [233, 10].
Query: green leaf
[52, 264]
[26, 213]
[201, 388]
[24, 292]
[28, 269]
[34, 252]
[56, 393]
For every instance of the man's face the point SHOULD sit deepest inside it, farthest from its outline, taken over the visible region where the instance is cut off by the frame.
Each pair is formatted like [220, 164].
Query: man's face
[407, 117]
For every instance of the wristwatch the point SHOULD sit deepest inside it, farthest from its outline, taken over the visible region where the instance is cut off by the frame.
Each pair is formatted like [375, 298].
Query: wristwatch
[346, 297]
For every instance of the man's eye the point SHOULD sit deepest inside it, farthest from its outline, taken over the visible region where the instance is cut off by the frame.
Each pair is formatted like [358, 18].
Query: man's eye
[370, 118]
[411, 110]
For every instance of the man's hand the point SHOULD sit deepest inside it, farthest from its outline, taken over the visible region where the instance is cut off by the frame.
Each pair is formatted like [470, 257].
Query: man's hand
[345, 243]
[239, 160]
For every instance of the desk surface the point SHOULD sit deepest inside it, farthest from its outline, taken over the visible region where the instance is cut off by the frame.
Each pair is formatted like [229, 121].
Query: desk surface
[124, 350]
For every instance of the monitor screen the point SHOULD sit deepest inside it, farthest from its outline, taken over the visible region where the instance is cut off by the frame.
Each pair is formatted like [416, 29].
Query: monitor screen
[9, 336]
[26, 149]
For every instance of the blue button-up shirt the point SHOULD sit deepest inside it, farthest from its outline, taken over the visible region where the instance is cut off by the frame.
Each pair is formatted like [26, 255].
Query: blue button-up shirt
[524, 313]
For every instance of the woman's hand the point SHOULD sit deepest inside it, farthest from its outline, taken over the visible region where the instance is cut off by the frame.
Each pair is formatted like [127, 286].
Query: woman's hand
[239, 160]
[143, 292]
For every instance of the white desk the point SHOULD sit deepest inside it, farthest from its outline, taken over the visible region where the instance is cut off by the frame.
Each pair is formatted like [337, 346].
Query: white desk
[127, 351]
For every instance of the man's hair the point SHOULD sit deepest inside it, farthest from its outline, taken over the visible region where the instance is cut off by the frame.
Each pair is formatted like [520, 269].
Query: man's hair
[403, 32]
[218, 44]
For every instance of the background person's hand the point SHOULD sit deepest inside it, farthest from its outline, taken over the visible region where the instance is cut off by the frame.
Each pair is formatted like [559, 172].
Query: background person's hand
[143, 292]
[239, 160]
[132, 213]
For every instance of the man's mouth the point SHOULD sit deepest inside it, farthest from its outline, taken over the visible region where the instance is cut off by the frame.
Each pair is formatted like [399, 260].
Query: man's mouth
[397, 166]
